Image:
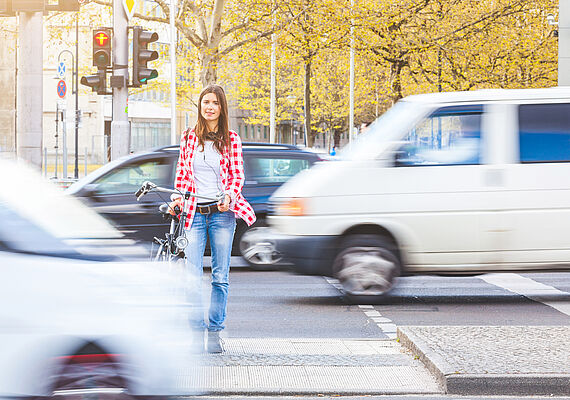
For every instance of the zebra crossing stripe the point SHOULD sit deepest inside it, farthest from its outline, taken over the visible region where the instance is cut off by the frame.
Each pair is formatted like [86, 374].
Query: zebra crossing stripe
[384, 324]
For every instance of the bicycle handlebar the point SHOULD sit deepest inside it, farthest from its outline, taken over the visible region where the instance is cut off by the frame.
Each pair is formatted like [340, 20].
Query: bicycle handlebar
[148, 186]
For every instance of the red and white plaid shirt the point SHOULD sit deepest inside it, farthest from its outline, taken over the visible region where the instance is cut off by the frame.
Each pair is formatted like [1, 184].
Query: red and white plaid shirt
[231, 174]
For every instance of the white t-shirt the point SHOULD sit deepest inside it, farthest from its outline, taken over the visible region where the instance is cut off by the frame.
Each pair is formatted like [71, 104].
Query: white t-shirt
[207, 171]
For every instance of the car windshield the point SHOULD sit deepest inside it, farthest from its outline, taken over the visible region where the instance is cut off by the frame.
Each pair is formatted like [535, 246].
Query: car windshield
[398, 119]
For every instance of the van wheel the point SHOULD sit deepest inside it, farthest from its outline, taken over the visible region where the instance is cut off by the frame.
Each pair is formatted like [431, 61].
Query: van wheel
[367, 265]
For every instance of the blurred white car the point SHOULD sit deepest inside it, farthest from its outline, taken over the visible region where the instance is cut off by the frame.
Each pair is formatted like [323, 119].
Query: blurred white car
[465, 182]
[71, 324]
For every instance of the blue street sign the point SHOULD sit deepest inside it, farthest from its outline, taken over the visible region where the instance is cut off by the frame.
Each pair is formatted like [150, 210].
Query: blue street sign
[61, 70]
[61, 89]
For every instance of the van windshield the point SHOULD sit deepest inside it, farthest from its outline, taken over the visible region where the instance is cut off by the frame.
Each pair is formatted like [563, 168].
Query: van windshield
[388, 127]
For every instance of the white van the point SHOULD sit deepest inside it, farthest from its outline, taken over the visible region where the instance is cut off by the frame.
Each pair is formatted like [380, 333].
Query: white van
[464, 182]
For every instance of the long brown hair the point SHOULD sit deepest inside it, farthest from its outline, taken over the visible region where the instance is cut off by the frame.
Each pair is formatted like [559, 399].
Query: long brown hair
[222, 138]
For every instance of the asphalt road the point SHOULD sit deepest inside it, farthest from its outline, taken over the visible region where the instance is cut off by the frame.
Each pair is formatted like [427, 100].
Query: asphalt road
[289, 334]
[270, 304]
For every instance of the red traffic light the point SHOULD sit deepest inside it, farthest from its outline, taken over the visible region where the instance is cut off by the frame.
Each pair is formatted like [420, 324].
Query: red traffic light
[102, 47]
[101, 38]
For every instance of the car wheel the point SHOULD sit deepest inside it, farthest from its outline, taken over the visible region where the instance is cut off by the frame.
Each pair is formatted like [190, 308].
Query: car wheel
[255, 247]
[88, 374]
[367, 265]
[87, 383]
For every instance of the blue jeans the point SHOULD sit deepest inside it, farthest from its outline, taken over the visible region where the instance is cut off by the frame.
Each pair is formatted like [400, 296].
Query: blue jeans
[220, 228]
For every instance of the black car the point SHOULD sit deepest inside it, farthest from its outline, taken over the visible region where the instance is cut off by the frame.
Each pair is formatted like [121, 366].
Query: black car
[110, 190]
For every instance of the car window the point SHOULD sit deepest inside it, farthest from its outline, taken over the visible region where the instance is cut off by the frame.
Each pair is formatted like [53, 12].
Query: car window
[544, 133]
[129, 178]
[274, 170]
[447, 137]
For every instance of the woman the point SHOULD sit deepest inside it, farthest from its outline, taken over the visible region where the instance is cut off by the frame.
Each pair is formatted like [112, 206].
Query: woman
[211, 162]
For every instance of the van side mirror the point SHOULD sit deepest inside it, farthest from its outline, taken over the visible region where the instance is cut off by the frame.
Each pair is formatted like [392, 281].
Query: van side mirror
[401, 158]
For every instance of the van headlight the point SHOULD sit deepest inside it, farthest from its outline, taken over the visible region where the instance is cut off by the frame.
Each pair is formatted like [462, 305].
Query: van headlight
[294, 207]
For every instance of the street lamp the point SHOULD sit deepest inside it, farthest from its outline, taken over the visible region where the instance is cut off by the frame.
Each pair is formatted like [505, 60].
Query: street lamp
[291, 99]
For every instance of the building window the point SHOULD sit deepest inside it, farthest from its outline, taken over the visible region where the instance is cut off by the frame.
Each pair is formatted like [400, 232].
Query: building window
[148, 135]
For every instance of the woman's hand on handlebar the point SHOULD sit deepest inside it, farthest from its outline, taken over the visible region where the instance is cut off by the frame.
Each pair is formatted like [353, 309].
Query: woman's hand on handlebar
[224, 204]
[176, 203]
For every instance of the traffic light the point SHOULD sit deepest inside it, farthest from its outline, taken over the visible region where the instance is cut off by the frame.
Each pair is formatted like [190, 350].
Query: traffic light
[96, 82]
[142, 55]
[102, 47]
[102, 38]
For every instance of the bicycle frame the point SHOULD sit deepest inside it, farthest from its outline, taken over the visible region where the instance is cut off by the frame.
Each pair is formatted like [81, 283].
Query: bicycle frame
[176, 240]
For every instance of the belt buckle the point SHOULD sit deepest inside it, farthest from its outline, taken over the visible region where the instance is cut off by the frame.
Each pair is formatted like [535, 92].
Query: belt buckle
[204, 213]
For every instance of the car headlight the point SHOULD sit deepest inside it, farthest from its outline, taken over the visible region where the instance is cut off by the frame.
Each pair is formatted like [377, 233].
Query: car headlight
[294, 207]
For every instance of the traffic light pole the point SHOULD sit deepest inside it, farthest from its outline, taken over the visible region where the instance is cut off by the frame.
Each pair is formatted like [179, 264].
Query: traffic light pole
[120, 128]
[76, 93]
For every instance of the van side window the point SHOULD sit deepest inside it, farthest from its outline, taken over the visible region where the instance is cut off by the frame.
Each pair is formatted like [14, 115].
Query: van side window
[544, 133]
[447, 137]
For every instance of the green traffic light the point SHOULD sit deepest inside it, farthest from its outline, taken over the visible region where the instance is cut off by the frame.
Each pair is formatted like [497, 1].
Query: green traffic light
[149, 74]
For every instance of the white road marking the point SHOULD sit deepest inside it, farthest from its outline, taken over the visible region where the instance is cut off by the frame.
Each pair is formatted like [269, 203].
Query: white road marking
[531, 289]
[385, 324]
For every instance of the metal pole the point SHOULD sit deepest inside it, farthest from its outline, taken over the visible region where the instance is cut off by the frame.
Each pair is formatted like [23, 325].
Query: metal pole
[56, 138]
[272, 122]
[351, 111]
[439, 69]
[29, 99]
[172, 73]
[564, 44]
[63, 110]
[120, 129]
[64, 141]
[76, 89]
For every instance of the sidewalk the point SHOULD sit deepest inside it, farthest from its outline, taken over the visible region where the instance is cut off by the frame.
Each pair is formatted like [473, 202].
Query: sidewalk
[494, 360]
[310, 367]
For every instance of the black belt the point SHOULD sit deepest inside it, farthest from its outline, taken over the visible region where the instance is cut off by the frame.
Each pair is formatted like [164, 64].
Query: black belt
[207, 209]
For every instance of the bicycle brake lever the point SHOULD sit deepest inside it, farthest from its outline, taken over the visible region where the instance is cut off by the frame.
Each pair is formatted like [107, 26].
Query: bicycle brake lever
[140, 193]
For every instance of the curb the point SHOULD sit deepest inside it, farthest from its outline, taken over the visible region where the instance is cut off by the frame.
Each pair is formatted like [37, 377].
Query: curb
[452, 382]
[435, 364]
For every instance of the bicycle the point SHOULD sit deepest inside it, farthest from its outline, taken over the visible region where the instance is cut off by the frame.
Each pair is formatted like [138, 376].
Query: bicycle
[175, 241]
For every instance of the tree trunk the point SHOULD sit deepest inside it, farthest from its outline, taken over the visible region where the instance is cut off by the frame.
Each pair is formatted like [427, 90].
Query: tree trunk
[208, 67]
[395, 80]
[308, 131]
[336, 135]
